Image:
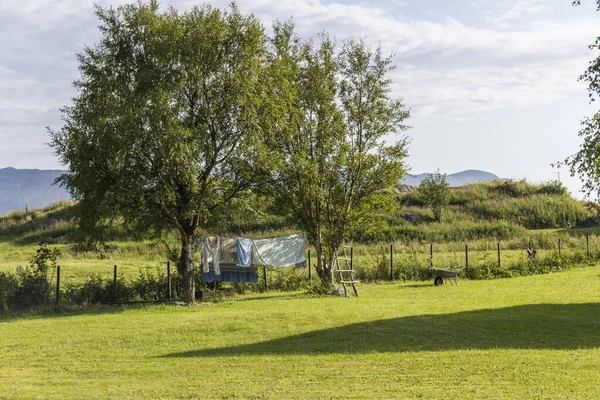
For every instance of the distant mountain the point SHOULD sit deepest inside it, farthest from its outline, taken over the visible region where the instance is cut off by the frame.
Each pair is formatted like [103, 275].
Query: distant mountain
[458, 179]
[31, 187]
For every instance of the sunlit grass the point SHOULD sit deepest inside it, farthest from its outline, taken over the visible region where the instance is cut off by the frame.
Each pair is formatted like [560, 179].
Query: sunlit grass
[532, 337]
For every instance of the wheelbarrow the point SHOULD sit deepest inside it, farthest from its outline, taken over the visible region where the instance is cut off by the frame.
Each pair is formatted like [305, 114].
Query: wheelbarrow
[442, 275]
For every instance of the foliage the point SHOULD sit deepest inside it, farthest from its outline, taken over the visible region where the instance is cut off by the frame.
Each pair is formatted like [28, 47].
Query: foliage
[33, 289]
[163, 130]
[434, 193]
[332, 110]
[586, 162]
[8, 286]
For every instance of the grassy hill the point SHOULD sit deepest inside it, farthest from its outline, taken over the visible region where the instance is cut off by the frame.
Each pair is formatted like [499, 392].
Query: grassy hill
[496, 210]
[493, 210]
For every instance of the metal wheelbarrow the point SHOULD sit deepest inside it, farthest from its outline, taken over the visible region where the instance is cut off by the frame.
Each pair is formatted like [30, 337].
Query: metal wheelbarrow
[442, 275]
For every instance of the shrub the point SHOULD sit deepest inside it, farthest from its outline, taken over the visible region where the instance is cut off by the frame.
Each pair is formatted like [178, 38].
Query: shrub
[8, 286]
[33, 288]
[94, 290]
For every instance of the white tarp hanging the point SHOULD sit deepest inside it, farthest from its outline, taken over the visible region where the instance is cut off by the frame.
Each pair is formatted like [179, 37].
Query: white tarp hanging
[280, 252]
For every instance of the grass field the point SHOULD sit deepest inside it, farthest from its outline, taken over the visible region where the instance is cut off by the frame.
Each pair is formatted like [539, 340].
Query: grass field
[531, 337]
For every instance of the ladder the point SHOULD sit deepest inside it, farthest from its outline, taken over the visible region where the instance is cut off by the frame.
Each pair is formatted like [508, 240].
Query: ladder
[345, 268]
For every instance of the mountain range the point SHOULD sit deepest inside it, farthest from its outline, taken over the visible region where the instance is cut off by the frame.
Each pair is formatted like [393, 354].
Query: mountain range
[35, 188]
[458, 179]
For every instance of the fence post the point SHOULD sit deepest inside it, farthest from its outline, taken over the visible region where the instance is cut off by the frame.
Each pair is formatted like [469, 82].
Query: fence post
[265, 277]
[431, 255]
[587, 238]
[467, 260]
[115, 283]
[559, 247]
[391, 262]
[352, 258]
[309, 268]
[57, 284]
[499, 260]
[169, 279]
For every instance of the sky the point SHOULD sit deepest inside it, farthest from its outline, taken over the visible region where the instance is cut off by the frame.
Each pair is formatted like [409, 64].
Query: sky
[491, 84]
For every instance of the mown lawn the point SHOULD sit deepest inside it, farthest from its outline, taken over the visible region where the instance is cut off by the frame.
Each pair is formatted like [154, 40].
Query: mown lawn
[532, 337]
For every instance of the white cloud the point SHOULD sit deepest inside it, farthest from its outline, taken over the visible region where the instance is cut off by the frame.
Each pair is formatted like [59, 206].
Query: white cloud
[445, 67]
[459, 92]
[503, 13]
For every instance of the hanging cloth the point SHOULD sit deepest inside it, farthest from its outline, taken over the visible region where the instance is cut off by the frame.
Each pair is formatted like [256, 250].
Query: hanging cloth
[216, 255]
[280, 252]
[205, 253]
[243, 250]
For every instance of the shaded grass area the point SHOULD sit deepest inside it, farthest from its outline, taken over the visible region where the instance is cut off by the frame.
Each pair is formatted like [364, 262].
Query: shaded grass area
[531, 337]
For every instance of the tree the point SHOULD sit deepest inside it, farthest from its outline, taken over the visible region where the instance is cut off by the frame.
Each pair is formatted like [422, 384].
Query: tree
[163, 131]
[434, 193]
[586, 162]
[333, 110]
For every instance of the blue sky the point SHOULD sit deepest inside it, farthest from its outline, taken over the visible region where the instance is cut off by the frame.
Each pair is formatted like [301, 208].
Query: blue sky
[492, 84]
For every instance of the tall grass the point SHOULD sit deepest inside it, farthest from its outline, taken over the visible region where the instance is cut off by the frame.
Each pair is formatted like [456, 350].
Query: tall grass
[53, 221]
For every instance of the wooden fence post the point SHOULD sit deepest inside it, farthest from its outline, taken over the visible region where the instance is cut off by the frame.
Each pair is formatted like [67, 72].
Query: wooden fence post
[169, 279]
[499, 260]
[431, 255]
[391, 262]
[467, 259]
[115, 283]
[265, 277]
[309, 268]
[57, 284]
[587, 238]
[352, 258]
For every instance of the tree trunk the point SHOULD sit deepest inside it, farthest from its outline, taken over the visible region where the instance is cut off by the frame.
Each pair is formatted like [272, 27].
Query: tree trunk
[437, 214]
[323, 267]
[185, 267]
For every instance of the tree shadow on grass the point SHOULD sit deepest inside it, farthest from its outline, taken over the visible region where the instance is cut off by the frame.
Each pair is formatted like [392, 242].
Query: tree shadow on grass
[539, 326]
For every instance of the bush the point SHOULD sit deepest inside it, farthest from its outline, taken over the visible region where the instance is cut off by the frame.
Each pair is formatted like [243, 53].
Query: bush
[8, 286]
[33, 288]
[94, 290]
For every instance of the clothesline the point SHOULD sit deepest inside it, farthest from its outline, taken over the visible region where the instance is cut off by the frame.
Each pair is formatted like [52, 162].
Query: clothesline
[236, 260]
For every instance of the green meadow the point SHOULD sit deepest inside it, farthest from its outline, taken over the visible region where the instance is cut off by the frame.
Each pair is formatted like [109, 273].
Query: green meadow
[529, 337]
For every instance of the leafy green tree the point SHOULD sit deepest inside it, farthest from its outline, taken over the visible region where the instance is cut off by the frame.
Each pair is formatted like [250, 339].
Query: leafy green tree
[434, 193]
[586, 162]
[163, 132]
[332, 111]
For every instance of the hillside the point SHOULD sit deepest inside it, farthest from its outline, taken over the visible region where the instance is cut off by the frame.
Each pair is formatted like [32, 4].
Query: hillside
[495, 210]
[33, 188]
[500, 209]
[458, 179]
